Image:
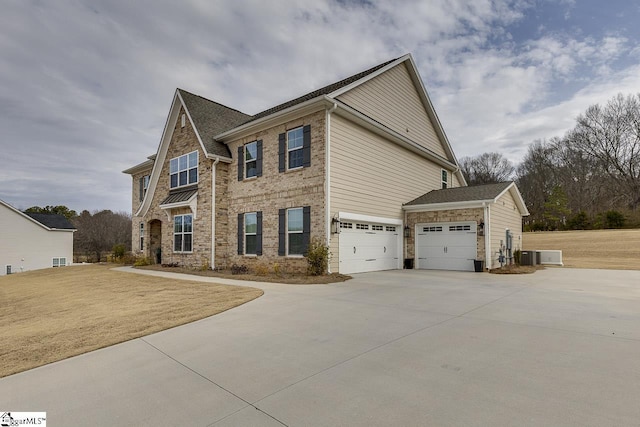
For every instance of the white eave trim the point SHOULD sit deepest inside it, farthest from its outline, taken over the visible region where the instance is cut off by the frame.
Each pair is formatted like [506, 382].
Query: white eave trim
[517, 197]
[368, 218]
[447, 206]
[146, 165]
[315, 104]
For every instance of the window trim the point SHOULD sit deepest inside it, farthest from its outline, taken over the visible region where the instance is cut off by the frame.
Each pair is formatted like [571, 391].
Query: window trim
[59, 259]
[288, 233]
[300, 148]
[141, 236]
[182, 233]
[444, 178]
[188, 170]
[245, 233]
[245, 162]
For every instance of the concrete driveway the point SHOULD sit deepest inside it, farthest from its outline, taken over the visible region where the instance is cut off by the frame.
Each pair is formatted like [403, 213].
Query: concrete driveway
[559, 347]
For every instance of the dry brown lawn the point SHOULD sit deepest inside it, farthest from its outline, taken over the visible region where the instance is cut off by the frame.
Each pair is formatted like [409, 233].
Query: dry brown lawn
[49, 315]
[608, 249]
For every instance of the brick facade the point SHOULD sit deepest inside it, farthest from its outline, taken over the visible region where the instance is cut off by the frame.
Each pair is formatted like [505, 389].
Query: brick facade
[276, 190]
[454, 215]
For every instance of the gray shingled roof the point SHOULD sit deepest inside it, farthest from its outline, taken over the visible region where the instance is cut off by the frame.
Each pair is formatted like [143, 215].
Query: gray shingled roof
[180, 196]
[323, 91]
[461, 194]
[51, 220]
[211, 119]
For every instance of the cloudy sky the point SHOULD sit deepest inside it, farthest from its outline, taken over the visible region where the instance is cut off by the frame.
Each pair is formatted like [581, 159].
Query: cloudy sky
[86, 86]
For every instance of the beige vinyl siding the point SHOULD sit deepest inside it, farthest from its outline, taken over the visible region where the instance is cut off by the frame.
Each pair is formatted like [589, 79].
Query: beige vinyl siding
[454, 180]
[25, 245]
[373, 176]
[391, 99]
[504, 214]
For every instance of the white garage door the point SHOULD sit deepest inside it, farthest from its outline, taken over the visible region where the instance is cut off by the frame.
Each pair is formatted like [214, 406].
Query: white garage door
[446, 246]
[368, 247]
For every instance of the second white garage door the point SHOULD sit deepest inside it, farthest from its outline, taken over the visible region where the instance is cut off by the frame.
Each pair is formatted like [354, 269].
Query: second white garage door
[446, 246]
[368, 247]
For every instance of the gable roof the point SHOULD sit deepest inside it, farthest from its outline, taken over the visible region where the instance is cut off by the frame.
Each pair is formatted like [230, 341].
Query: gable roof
[319, 92]
[60, 223]
[210, 118]
[461, 194]
[476, 195]
[53, 221]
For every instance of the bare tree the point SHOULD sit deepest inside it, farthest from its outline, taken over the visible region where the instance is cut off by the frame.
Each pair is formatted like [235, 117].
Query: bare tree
[487, 168]
[610, 135]
[537, 178]
[101, 231]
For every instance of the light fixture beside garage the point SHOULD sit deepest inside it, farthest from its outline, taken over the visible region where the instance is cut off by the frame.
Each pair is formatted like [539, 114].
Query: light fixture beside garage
[481, 228]
[335, 225]
[407, 231]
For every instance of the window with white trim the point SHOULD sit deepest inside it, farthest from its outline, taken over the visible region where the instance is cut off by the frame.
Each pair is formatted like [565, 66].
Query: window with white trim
[60, 262]
[445, 179]
[183, 120]
[142, 236]
[251, 233]
[362, 226]
[295, 239]
[183, 233]
[459, 228]
[251, 159]
[183, 170]
[377, 227]
[431, 229]
[346, 225]
[391, 228]
[294, 148]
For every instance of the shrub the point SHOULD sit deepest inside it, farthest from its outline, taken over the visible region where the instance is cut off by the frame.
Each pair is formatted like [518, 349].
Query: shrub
[276, 269]
[317, 257]
[261, 269]
[613, 219]
[141, 261]
[129, 258]
[239, 269]
[579, 221]
[119, 251]
[516, 256]
[204, 266]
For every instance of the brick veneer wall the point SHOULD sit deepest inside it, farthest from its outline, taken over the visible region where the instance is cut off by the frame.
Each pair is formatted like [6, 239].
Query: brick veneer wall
[456, 215]
[272, 191]
[183, 141]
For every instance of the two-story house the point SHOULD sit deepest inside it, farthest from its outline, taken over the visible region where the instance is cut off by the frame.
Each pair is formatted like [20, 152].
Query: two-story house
[363, 165]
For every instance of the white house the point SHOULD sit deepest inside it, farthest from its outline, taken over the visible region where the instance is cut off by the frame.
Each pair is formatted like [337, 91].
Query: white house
[33, 241]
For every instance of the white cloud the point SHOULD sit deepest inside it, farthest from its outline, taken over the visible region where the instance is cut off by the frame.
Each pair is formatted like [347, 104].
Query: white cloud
[86, 86]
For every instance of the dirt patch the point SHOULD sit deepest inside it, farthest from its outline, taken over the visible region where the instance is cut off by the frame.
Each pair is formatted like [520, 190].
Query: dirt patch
[50, 315]
[291, 279]
[606, 249]
[515, 269]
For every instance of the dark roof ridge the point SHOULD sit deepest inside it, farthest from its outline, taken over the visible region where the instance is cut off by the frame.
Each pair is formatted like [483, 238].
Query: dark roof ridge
[461, 194]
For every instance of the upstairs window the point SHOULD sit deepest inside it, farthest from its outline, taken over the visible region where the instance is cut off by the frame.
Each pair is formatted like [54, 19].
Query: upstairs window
[183, 233]
[445, 179]
[183, 170]
[144, 186]
[294, 148]
[251, 159]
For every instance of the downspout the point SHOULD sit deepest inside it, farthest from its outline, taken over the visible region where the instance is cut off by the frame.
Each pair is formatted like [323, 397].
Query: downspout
[327, 180]
[487, 235]
[213, 212]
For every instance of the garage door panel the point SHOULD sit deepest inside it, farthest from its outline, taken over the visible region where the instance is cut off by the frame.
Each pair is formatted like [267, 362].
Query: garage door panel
[368, 247]
[446, 246]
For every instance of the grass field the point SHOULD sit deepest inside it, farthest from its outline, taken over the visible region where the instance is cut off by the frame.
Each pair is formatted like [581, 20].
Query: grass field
[609, 249]
[49, 315]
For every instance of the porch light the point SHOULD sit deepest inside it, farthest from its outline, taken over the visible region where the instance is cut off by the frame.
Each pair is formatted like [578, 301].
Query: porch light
[335, 225]
[407, 231]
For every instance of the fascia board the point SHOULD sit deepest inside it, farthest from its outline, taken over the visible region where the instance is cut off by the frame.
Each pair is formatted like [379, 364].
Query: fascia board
[148, 164]
[517, 197]
[447, 206]
[368, 218]
[161, 154]
[378, 128]
[316, 104]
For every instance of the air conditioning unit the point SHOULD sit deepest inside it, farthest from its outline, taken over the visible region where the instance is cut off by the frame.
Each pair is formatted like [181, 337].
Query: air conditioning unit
[548, 257]
[528, 258]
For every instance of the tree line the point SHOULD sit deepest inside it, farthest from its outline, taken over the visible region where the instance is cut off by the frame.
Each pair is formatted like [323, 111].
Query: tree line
[588, 178]
[98, 234]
